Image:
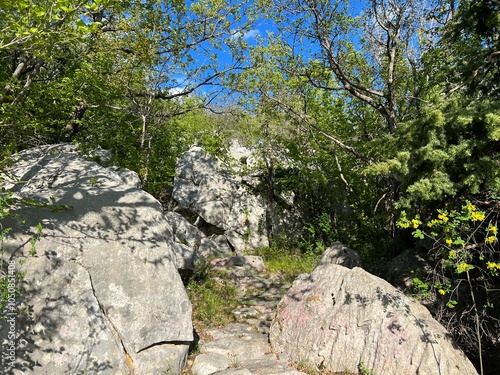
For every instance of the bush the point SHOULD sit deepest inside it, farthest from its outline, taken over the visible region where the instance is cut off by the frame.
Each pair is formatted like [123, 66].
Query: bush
[464, 248]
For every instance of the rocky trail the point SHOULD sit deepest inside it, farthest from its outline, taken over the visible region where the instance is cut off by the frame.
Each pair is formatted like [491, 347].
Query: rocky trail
[243, 347]
[96, 302]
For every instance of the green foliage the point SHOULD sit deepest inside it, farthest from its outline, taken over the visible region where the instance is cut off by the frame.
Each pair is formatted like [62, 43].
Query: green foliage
[213, 299]
[464, 246]
[200, 271]
[246, 224]
[452, 154]
[363, 370]
[287, 259]
[472, 47]
[371, 239]
[421, 289]
[318, 235]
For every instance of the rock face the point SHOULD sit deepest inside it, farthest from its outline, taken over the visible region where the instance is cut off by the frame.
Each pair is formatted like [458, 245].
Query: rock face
[102, 292]
[193, 240]
[341, 319]
[249, 261]
[341, 255]
[219, 198]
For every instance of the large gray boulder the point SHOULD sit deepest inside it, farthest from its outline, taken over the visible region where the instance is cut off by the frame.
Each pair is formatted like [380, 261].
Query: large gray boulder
[341, 255]
[102, 293]
[203, 187]
[339, 319]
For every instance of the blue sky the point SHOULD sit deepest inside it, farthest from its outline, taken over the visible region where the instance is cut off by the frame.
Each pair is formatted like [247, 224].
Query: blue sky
[258, 30]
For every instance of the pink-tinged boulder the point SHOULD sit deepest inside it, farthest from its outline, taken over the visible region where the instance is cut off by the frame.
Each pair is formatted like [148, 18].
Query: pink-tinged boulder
[339, 319]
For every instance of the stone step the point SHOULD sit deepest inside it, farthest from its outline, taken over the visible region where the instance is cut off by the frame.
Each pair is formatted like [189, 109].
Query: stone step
[238, 349]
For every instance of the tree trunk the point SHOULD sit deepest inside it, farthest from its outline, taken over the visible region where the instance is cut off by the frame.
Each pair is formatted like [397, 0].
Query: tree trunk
[72, 127]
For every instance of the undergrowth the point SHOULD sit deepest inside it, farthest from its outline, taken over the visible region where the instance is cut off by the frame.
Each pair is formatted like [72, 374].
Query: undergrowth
[213, 298]
[287, 262]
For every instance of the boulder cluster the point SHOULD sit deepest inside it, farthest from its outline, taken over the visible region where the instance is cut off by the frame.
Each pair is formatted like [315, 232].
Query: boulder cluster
[104, 292]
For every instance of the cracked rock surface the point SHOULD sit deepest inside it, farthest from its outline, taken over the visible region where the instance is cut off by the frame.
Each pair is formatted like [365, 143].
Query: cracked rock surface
[102, 293]
[337, 318]
[243, 348]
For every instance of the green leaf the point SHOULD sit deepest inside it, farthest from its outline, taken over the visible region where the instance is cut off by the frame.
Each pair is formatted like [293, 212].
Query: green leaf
[418, 234]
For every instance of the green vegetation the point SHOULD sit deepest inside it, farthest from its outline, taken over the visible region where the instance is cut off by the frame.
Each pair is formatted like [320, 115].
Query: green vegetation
[287, 261]
[363, 370]
[362, 111]
[213, 299]
[464, 248]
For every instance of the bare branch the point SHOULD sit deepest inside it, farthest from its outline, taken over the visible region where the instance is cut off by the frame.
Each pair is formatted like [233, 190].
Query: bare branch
[306, 120]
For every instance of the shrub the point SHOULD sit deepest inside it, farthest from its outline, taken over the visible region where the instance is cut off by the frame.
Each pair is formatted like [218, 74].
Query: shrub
[465, 250]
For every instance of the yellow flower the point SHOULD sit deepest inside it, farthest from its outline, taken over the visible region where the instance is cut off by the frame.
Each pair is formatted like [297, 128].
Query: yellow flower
[493, 229]
[470, 206]
[463, 267]
[449, 241]
[452, 254]
[443, 217]
[403, 223]
[415, 223]
[491, 265]
[433, 222]
[442, 292]
[477, 216]
[491, 239]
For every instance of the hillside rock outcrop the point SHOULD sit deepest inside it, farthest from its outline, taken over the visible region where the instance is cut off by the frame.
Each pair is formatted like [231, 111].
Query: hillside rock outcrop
[340, 319]
[102, 293]
[234, 217]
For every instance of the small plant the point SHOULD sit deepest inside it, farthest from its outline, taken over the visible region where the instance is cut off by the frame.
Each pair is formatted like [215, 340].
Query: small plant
[234, 362]
[200, 271]
[318, 235]
[94, 182]
[421, 289]
[246, 225]
[363, 370]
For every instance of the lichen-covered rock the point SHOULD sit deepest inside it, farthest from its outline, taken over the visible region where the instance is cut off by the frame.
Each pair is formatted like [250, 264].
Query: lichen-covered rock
[102, 292]
[341, 255]
[341, 319]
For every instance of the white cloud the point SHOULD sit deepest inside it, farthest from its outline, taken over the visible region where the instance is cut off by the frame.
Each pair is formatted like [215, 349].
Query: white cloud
[251, 34]
[176, 90]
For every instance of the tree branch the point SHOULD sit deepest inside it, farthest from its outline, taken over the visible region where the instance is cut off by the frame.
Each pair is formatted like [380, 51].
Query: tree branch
[475, 73]
[305, 119]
